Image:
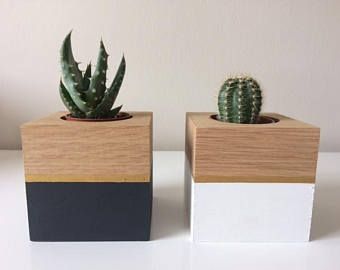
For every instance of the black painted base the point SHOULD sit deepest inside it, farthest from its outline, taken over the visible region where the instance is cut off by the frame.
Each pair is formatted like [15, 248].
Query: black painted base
[89, 211]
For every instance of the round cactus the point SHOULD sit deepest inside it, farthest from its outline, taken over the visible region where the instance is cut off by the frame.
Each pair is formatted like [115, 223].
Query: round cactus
[239, 100]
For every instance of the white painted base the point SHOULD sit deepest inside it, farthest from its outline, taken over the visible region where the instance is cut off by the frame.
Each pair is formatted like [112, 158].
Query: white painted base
[249, 212]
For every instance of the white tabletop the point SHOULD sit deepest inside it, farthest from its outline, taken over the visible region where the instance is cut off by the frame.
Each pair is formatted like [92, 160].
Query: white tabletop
[170, 247]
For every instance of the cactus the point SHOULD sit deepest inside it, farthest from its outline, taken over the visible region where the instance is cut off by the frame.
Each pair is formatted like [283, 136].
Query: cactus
[84, 94]
[239, 100]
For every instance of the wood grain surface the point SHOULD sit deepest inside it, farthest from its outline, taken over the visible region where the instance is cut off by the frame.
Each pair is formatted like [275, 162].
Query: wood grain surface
[56, 150]
[282, 152]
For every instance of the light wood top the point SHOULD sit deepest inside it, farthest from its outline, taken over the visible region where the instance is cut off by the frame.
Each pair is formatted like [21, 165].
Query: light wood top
[56, 150]
[138, 119]
[203, 120]
[282, 152]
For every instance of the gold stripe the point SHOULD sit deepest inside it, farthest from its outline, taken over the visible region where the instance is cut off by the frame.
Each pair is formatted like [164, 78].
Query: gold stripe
[253, 179]
[142, 178]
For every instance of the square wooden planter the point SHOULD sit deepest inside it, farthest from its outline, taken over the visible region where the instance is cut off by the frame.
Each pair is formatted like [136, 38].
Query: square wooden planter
[88, 181]
[250, 183]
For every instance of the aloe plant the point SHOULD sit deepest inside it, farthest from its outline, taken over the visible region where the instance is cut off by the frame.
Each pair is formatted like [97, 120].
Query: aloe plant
[85, 94]
[239, 100]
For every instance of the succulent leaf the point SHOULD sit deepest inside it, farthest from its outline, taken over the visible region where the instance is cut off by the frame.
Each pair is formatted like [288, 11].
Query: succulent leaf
[87, 77]
[111, 93]
[69, 65]
[115, 111]
[97, 87]
[71, 75]
[68, 102]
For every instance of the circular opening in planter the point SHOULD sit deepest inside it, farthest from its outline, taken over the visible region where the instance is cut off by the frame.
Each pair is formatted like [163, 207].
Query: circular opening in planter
[118, 117]
[260, 120]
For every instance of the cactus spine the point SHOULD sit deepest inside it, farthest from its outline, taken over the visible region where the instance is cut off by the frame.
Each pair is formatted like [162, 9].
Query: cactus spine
[84, 94]
[239, 100]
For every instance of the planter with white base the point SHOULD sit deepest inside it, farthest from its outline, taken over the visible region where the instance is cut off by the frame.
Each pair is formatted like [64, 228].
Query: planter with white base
[250, 182]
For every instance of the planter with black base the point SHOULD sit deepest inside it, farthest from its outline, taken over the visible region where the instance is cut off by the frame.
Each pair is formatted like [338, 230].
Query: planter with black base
[88, 181]
[89, 171]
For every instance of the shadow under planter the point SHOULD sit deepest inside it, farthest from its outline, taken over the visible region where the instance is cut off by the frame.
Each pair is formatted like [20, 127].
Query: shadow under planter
[89, 181]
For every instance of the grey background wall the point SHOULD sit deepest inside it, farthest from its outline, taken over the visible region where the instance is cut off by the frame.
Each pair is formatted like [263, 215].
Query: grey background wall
[178, 53]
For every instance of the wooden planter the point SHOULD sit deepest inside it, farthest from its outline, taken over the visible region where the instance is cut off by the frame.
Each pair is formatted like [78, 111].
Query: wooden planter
[88, 181]
[250, 182]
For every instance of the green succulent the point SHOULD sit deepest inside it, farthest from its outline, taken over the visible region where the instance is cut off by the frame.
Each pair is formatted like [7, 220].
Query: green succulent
[239, 100]
[84, 94]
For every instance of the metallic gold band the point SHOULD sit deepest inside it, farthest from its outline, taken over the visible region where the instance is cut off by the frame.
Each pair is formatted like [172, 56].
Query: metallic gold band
[88, 178]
